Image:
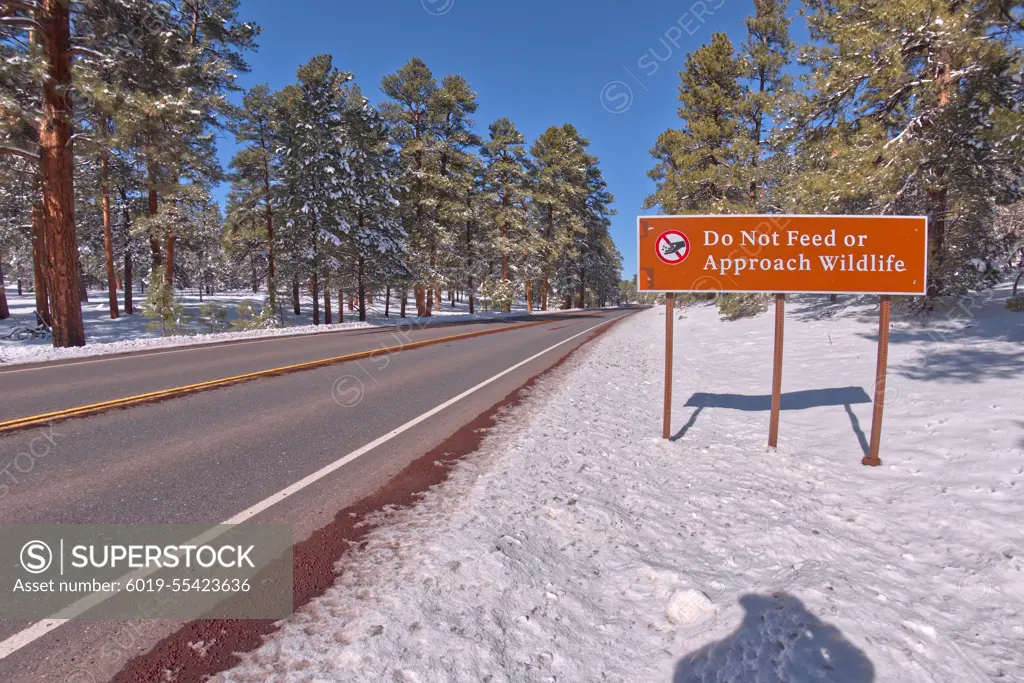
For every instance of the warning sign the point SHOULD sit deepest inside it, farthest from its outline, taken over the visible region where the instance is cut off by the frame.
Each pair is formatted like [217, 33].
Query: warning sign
[672, 247]
[781, 254]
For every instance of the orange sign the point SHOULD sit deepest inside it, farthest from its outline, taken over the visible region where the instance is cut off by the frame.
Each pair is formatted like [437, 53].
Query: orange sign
[824, 254]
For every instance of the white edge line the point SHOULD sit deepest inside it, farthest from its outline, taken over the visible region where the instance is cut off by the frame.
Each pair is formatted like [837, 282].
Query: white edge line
[40, 628]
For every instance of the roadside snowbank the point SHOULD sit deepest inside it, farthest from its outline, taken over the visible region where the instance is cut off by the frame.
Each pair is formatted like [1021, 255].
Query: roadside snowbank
[578, 546]
[129, 332]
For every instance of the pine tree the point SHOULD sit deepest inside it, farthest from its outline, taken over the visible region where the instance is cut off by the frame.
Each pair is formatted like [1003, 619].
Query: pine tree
[315, 172]
[254, 170]
[475, 228]
[375, 235]
[38, 44]
[598, 262]
[215, 39]
[164, 312]
[450, 108]
[559, 178]
[766, 89]
[696, 170]
[506, 184]
[915, 109]
[414, 131]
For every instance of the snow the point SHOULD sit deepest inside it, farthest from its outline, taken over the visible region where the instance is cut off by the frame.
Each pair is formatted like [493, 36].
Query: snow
[576, 545]
[129, 332]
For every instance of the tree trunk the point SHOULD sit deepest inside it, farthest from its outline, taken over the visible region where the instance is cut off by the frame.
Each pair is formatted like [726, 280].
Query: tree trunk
[57, 168]
[939, 199]
[129, 278]
[402, 305]
[314, 289]
[529, 297]
[83, 291]
[108, 244]
[341, 306]
[327, 305]
[418, 292]
[269, 215]
[504, 255]
[296, 304]
[19, 287]
[362, 289]
[5, 312]
[387, 301]
[154, 208]
[469, 247]
[169, 241]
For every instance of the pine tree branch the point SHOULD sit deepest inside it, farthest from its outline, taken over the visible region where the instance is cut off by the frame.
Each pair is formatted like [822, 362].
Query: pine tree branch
[80, 50]
[1008, 15]
[22, 22]
[6, 150]
[12, 6]
[27, 5]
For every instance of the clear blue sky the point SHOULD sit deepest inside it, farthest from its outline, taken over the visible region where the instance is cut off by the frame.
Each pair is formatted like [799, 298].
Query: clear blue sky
[538, 62]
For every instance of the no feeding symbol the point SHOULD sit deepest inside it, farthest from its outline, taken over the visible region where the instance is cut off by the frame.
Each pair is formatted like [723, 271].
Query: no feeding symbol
[673, 247]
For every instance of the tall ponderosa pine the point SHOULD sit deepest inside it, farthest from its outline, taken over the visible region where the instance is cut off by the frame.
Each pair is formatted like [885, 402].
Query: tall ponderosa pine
[450, 109]
[37, 106]
[506, 184]
[766, 90]
[695, 164]
[375, 234]
[559, 169]
[315, 173]
[254, 170]
[411, 91]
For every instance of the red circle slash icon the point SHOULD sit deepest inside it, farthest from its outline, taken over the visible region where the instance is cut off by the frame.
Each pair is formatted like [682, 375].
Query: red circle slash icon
[673, 247]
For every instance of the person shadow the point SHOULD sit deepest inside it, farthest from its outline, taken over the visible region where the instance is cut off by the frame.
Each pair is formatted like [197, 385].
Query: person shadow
[779, 641]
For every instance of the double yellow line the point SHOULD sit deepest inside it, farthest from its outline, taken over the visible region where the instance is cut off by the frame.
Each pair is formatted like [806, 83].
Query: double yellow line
[93, 408]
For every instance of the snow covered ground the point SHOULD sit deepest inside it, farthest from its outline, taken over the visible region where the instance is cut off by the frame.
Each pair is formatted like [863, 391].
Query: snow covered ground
[576, 545]
[130, 333]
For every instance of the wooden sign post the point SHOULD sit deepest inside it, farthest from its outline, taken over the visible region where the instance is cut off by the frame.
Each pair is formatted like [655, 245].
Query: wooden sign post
[670, 323]
[881, 368]
[783, 254]
[773, 423]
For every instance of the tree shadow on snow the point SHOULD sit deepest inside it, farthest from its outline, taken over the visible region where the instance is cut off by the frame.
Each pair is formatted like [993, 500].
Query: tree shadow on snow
[779, 640]
[793, 400]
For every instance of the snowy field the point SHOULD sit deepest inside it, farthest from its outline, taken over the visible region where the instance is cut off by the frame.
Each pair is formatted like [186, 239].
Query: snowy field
[130, 332]
[579, 546]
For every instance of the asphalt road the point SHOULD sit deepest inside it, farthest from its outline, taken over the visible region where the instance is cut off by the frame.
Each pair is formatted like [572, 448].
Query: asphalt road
[204, 457]
[32, 390]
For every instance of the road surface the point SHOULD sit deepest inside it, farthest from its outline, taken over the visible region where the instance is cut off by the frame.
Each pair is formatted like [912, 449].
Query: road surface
[203, 457]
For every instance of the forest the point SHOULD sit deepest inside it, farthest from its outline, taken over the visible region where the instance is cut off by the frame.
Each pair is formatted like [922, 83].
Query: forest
[110, 111]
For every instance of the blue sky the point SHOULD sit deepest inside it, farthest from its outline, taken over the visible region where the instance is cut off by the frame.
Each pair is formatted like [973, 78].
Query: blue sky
[610, 67]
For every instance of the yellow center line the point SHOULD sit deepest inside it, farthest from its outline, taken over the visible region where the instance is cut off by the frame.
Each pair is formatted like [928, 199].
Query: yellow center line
[93, 408]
